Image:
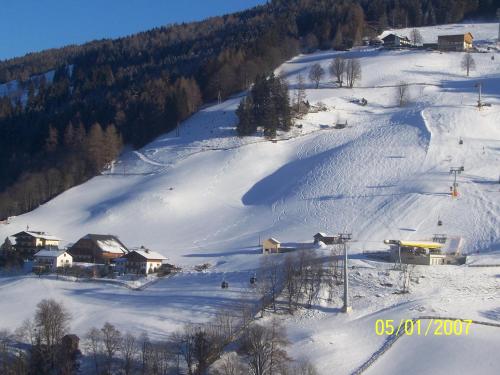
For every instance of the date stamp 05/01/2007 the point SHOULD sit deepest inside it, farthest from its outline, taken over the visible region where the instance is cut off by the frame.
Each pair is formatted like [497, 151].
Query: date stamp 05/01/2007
[418, 327]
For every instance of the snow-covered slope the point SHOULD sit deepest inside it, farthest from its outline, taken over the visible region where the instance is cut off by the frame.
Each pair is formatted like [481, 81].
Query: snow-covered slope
[209, 196]
[385, 175]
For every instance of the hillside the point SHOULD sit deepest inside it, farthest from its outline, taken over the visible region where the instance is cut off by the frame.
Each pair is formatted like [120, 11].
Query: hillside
[208, 196]
[60, 102]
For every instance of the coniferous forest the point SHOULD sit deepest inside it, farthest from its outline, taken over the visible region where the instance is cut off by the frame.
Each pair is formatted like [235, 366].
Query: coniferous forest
[268, 106]
[110, 93]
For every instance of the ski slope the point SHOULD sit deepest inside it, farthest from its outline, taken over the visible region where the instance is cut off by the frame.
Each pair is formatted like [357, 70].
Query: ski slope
[421, 354]
[208, 196]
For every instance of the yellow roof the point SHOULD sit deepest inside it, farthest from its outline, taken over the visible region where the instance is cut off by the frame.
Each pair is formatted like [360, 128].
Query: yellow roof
[423, 244]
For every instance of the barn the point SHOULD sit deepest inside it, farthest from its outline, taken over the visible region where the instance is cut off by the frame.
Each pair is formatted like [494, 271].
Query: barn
[457, 43]
[97, 248]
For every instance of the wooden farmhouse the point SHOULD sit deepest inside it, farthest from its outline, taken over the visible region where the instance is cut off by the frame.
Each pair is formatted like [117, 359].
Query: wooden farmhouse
[396, 41]
[29, 242]
[97, 248]
[326, 239]
[458, 43]
[270, 246]
[53, 259]
[143, 261]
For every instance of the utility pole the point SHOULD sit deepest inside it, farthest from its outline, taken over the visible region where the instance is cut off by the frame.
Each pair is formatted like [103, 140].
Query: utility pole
[455, 171]
[344, 238]
[399, 254]
[498, 16]
[479, 103]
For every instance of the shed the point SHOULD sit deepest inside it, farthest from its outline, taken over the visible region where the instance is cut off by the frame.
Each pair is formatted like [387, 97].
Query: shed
[325, 238]
[271, 245]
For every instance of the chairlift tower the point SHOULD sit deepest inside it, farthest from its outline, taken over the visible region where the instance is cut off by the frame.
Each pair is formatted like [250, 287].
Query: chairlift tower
[455, 171]
[344, 239]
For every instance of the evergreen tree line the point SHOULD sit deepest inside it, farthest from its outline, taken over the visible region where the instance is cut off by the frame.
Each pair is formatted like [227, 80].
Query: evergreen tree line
[267, 105]
[145, 84]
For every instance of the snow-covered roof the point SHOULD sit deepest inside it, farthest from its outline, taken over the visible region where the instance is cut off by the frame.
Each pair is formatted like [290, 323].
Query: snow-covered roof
[50, 253]
[273, 240]
[421, 244]
[322, 234]
[108, 243]
[111, 246]
[41, 235]
[148, 254]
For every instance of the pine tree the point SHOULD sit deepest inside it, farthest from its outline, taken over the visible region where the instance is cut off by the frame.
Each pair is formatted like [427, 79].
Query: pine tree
[80, 136]
[247, 124]
[69, 137]
[267, 106]
[269, 110]
[95, 147]
[52, 140]
[7, 246]
[114, 143]
[282, 104]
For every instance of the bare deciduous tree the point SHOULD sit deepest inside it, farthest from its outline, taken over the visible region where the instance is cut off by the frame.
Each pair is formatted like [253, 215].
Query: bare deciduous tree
[264, 347]
[278, 357]
[290, 281]
[225, 324]
[314, 277]
[468, 63]
[52, 319]
[337, 69]
[232, 365]
[352, 72]
[303, 367]
[270, 284]
[128, 351]
[27, 332]
[402, 93]
[159, 356]
[111, 339]
[93, 344]
[52, 323]
[300, 96]
[316, 73]
[415, 37]
[184, 343]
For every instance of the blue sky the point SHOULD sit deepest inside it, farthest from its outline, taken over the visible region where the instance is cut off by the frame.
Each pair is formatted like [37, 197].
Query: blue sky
[34, 25]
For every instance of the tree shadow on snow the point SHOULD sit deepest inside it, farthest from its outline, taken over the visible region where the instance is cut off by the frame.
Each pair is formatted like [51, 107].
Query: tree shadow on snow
[251, 251]
[493, 314]
[490, 85]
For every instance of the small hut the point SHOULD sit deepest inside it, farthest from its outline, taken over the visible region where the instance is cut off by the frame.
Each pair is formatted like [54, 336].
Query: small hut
[270, 246]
